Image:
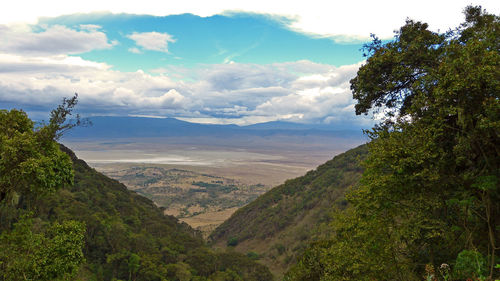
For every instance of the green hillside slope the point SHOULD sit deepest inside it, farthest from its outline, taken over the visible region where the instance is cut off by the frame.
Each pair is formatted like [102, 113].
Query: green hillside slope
[279, 224]
[128, 238]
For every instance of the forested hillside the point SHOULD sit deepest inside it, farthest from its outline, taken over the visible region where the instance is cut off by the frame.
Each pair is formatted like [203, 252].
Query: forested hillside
[278, 225]
[428, 204]
[93, 228]
[420, 201]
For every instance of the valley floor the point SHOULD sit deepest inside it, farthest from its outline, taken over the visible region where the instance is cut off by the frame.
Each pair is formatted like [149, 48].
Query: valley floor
[218, 175]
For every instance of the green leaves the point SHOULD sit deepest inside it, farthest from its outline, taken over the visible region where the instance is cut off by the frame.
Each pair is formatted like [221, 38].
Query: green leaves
[52, 253]
[470, 265]
[486, 183]
[430, 191]
[29, 163]
[392, 75]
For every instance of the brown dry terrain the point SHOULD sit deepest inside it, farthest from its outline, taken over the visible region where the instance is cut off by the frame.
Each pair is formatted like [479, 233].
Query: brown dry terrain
[207, 222]
[202, 181]
[186, 194]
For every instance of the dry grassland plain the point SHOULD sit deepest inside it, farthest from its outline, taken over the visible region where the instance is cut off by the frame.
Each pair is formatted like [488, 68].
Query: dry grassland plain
[203, 180]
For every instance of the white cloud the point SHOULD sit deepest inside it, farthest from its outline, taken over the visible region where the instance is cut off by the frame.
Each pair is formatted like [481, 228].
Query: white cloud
[53, 40]
[134, 50]
[343, 20]
[238, 93]
[154, 41]
[91, 27]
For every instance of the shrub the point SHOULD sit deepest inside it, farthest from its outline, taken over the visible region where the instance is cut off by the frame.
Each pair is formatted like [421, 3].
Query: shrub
[232, 242]
[469, 264]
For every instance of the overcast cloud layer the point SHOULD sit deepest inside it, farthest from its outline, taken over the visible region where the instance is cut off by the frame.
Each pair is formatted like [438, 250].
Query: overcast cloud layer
[225, 93]
[37, 70]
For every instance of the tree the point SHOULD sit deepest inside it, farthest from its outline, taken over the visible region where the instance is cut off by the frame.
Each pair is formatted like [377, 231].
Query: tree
[52, 253]
[31, 162]
[430, 190]
[32, 165]
[438, 151]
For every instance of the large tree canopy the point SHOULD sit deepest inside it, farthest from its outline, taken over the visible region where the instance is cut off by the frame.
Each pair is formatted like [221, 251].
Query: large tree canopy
[430, 192]
[30, 159]
[405, 76]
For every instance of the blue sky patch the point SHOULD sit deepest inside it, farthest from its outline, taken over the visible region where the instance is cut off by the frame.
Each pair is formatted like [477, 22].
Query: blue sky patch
[242, 38]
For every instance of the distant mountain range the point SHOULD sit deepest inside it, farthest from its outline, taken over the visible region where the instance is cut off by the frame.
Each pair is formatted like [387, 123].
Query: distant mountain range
[129, 127]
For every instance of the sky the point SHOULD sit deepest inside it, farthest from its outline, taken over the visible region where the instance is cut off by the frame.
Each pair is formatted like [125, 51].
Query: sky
[224, 62]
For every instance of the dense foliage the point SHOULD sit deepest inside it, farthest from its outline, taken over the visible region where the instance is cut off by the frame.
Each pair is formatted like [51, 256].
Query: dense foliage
[52, 254]
[31, 167]
[94, 228]
[30, 161]
[428, 206]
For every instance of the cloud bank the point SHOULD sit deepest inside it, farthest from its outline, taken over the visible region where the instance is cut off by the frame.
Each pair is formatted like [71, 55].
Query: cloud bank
[38, 67]
[53, 40]
[238, 93]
